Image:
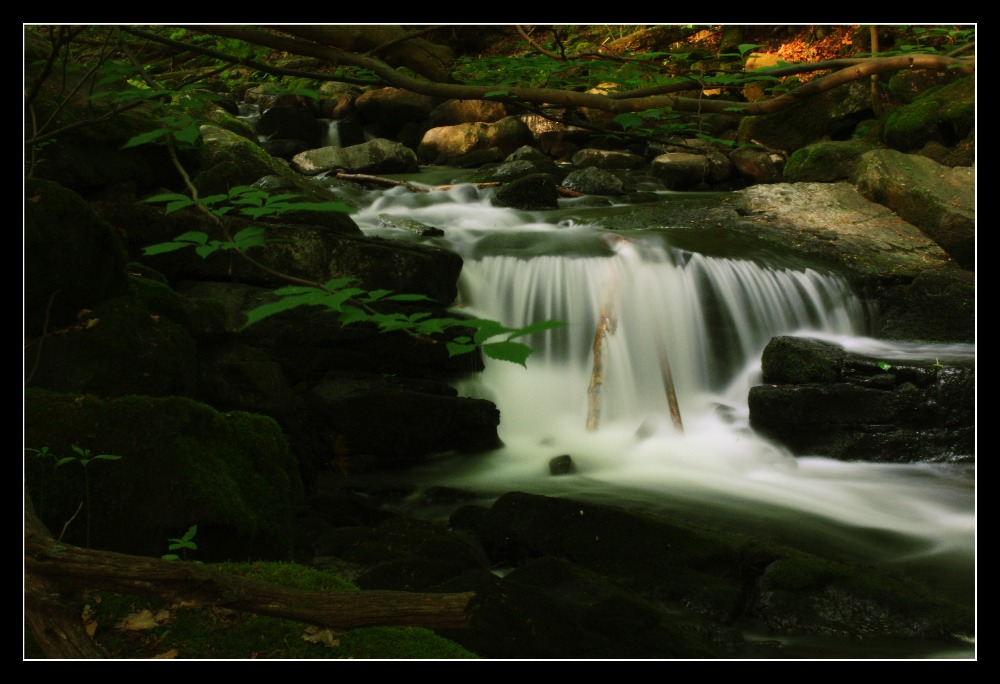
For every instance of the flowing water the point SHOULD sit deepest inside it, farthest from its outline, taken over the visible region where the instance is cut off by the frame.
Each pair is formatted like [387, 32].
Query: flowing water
[660, 421]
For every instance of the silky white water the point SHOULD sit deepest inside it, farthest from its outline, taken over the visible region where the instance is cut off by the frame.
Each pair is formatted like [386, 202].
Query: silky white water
[689, 325]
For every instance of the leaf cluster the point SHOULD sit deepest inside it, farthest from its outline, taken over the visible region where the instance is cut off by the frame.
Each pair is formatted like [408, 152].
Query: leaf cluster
[339, 296]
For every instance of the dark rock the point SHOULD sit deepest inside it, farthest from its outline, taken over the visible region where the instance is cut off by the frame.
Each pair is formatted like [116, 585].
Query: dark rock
[533, 192]
[561, 465]
[821, 400]
[73, 259]
[284, 122]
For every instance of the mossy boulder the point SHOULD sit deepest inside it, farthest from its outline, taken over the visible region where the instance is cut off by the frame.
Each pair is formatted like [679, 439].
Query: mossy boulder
[182, 464]
[229, 159]
[940, 200]
[946, 115]
[824, 162]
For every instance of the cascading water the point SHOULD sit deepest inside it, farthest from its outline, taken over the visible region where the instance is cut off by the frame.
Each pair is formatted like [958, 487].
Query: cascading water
[666, 322]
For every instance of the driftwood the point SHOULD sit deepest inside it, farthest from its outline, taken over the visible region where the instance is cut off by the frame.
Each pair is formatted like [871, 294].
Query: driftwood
[53, 571]
[606, 324]
[668, 385]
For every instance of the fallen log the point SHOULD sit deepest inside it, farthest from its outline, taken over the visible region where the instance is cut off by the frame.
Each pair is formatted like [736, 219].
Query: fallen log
[53, 571]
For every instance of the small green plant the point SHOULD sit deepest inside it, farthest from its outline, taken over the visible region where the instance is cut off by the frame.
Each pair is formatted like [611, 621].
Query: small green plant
[83, 457]
[884, 366]
[184, 543]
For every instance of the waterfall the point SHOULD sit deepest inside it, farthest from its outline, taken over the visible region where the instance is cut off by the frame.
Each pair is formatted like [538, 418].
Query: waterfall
[331, 133]
[705, 318]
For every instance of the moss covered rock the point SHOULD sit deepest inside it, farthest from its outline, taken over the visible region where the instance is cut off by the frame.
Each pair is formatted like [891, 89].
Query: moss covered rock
[182, 463]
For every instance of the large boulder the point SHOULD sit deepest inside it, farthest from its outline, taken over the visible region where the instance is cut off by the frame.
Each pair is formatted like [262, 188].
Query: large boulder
[227, 160]
[391, 109]
[372, 157]
[444, 144]
[940, 200]
[181, 464]
[819, 399]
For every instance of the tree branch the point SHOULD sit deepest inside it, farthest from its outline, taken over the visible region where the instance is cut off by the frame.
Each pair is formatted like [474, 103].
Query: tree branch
[634, 101]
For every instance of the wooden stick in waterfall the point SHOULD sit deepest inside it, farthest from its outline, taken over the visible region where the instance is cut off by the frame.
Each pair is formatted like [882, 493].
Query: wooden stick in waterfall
[605, 325]
[668, 384]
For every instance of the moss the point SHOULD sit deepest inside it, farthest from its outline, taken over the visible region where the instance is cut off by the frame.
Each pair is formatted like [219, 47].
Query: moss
[182, 463]
[824, 162]
[945, 114]
[217, 633]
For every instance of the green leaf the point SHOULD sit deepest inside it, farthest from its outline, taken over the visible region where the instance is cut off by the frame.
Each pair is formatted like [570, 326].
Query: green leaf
[169, 197]
[375, 295]
[189, 134]
[454, 349]
[515, 352]
[335, 300]
[352, 314]
[439, 325]
[311, 298]
[205, 251]
[337, 283]
[485, 329]
[144, 138]
[409, 298]
[164, 247]
[252, 236]
[629, 120]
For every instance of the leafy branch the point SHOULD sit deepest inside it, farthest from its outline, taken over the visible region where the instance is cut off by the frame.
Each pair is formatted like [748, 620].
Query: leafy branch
[340, 296]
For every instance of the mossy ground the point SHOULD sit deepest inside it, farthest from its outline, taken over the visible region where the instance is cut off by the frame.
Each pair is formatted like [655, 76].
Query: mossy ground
[131, 627]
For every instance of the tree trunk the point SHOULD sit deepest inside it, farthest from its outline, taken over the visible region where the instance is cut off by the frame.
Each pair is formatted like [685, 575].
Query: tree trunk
[54, 571]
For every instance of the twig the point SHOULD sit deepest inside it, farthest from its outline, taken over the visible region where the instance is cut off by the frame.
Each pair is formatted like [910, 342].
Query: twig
[71, 519]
